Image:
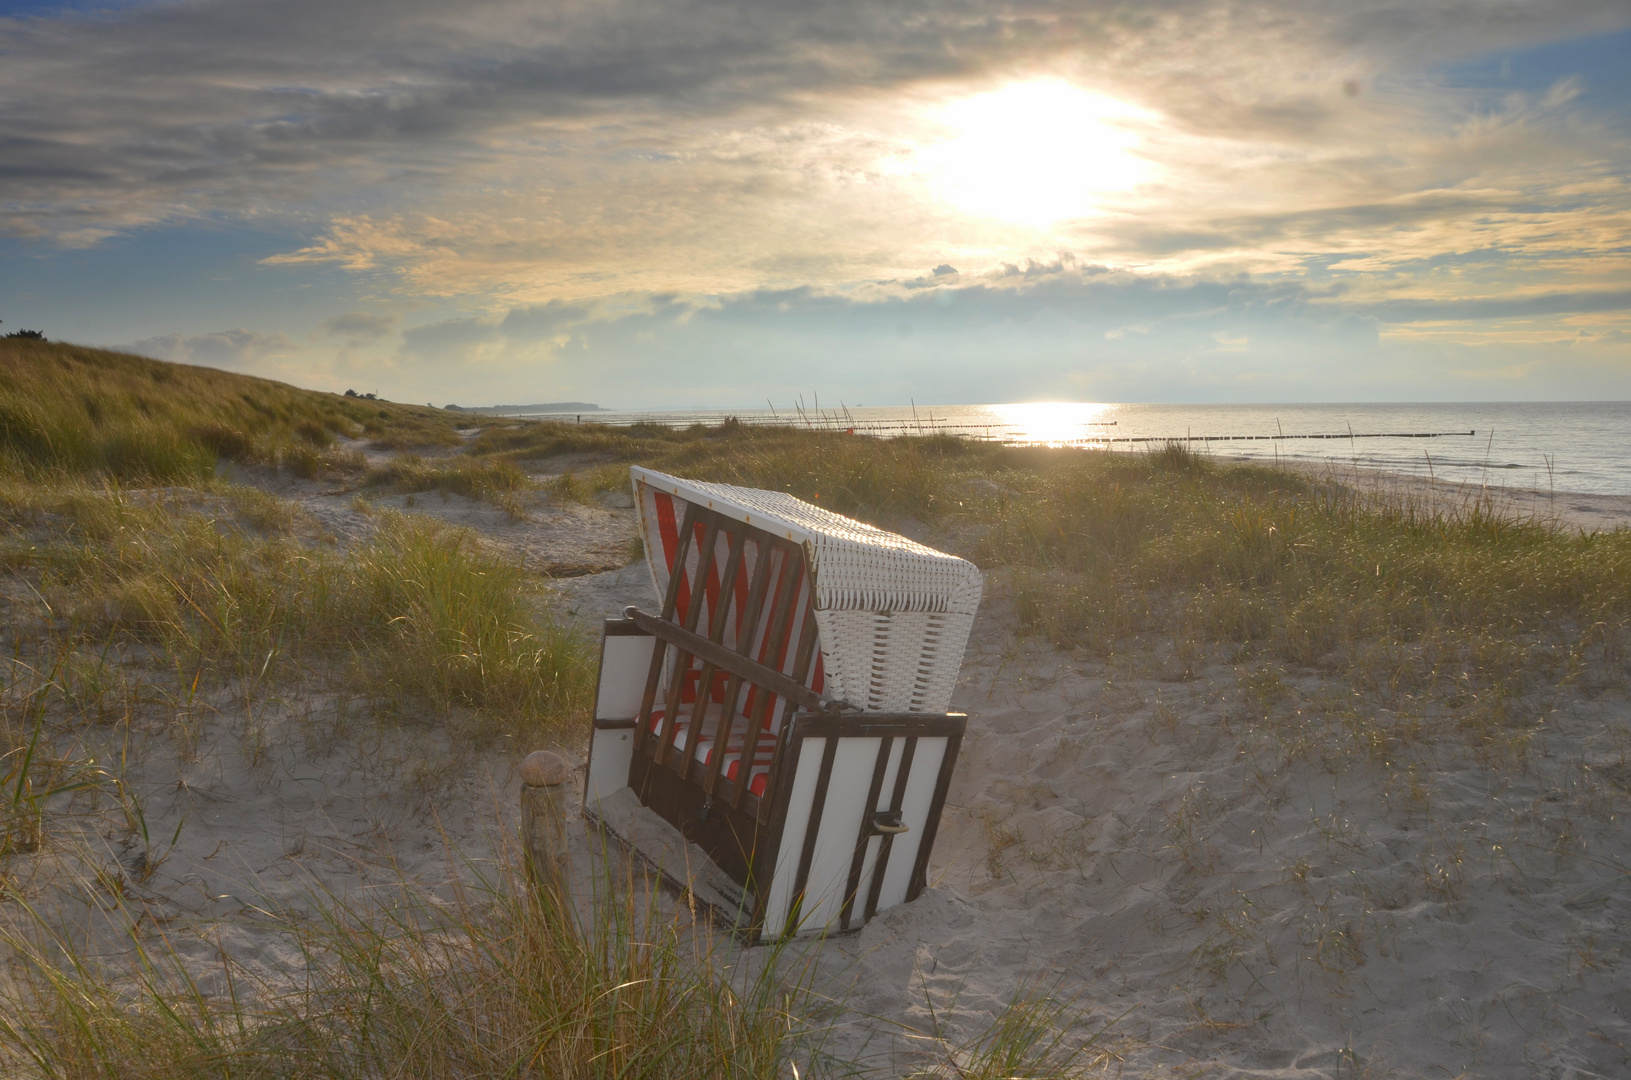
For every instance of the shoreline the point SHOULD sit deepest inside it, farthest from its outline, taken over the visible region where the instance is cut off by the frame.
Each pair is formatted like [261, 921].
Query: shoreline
[1561, 510]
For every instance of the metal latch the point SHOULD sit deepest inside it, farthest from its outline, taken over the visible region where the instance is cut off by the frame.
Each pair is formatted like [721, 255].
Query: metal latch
[889, 823]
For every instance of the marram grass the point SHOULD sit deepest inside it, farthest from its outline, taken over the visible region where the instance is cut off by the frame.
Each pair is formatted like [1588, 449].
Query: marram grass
[69, 410]
[494, 983]
[224, 589]
[1457, 620]
[1449, 610]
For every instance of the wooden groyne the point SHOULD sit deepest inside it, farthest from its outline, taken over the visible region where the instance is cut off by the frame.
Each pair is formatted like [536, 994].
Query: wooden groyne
[940, 425]
[1278, 438]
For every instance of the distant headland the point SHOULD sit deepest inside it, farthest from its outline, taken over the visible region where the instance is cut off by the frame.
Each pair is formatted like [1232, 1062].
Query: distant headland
[514, 410]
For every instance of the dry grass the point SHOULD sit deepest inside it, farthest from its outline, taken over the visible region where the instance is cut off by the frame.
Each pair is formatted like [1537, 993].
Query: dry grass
[1438, 624]
[495, 983]
[221, 588]
[1454, 614]
[495, 481]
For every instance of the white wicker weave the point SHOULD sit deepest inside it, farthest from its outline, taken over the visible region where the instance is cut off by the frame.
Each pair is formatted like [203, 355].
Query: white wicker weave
[893, 615]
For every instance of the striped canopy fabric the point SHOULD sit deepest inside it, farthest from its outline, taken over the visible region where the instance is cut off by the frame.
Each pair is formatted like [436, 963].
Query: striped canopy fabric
[892, 615]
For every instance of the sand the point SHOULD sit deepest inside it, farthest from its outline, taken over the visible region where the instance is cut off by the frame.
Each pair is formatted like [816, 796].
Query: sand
[1124, 843]
[1218, 880]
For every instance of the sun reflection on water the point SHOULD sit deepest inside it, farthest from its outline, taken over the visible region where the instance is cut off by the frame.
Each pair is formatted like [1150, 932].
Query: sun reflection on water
[1053, 423]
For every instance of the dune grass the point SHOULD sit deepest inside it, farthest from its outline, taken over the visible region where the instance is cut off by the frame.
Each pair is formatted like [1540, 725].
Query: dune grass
[69, 409]
[133, 609]
[1441, 622]
[1425, 610]
[499, 482]
[35, 768]
[860, 476]
[1445, 612]
[495, 982]
[221, 588]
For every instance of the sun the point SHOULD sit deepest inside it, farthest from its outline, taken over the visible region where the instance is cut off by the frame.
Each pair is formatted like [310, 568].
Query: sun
[1035, 153]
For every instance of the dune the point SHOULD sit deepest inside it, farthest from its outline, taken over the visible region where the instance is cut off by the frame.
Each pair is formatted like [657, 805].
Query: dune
[1166, 852]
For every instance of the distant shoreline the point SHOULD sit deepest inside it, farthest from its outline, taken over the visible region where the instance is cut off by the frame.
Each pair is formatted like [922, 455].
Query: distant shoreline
[522, 410]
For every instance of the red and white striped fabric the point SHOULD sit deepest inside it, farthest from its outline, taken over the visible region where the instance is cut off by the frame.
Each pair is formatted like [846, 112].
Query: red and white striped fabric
[735, 745]
[665, 514]
[892, 616]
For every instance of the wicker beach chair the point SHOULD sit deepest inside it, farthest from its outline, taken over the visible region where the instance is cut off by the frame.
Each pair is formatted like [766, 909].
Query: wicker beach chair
[786, 707]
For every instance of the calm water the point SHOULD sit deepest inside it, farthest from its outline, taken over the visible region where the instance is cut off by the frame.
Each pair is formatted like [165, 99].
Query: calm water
[1566, 446]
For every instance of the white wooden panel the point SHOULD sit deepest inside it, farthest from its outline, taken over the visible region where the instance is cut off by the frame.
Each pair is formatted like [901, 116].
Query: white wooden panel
[624, 665]
[792, 842]
[915, 814]
[869, 865]
[841, 816]
[610, 752]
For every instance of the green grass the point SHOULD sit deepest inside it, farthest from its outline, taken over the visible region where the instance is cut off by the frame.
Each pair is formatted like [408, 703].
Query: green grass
[68, 409]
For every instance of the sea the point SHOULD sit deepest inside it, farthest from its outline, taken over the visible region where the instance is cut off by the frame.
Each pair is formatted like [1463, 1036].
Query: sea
[1580, 446]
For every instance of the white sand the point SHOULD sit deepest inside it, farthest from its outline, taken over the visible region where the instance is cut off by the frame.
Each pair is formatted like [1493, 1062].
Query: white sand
[1232, 884]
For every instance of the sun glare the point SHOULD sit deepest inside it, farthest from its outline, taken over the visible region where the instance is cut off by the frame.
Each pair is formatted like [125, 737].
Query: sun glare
[1054, 423]
[1035, 153]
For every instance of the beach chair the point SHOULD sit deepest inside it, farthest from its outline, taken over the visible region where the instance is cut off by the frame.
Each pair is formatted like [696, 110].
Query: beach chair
[785, 706]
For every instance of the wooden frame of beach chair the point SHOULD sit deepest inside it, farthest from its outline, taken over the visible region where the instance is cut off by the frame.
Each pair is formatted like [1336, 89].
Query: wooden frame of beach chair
[785, 709]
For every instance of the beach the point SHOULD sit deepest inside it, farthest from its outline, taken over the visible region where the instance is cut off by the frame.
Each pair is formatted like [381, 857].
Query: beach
[845, 541]
[1221, 877]
[1181, 839]
[1209, 866]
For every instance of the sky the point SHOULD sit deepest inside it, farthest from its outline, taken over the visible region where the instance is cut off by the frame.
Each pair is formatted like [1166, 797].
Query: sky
[715, 203]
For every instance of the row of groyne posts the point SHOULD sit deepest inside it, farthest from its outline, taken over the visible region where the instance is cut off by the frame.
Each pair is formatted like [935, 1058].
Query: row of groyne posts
[935, 425]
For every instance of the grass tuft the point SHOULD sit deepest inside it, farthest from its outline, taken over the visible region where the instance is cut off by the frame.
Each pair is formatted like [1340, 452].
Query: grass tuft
[455, 626]
[472, 478]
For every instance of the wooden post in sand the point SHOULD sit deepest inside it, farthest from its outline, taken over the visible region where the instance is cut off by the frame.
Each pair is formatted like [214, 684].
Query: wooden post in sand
[543, 824]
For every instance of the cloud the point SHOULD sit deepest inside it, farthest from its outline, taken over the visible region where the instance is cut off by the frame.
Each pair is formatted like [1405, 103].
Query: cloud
[1510, 307]
[602, 193]
[235, 350]
[359, 327]
[199, 108]
[451, 342]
